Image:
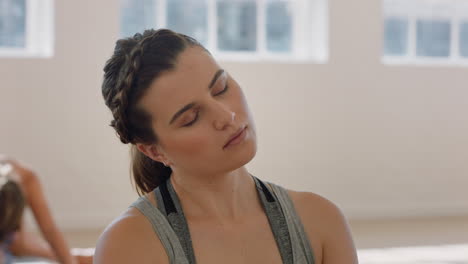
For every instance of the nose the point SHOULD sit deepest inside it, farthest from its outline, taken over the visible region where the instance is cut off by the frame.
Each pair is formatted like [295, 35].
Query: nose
[224, 117]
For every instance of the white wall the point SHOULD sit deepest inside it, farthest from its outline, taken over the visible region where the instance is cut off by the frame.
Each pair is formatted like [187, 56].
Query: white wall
[380, 141]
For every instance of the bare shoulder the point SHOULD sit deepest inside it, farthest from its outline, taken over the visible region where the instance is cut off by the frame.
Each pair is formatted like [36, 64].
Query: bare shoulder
[324, 221]
[130, 239]
[313, 206]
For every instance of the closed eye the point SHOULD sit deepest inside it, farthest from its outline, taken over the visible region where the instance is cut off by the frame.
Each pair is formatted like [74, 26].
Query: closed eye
[193, 121]
[223, 91]
[226, 88]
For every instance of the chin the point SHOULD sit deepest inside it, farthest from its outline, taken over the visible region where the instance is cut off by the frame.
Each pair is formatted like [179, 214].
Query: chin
[250, 148]
[244, 155]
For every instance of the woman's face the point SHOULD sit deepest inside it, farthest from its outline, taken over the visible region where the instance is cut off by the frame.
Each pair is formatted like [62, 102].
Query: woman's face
[196, 109]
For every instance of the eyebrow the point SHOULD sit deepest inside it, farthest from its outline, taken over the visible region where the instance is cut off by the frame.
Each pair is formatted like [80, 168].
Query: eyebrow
[215, 78]
[191, 105]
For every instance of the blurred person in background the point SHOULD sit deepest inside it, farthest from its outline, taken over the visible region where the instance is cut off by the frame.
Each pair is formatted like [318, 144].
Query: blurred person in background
[20, 188]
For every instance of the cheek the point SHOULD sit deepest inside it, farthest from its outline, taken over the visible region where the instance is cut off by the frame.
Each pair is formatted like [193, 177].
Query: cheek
[242, 105]
[238, 95]
[191, 146]
[243, 100]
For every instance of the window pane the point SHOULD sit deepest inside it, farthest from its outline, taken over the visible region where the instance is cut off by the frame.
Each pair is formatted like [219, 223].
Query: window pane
[279, 26]
[136, 16]
[433, 38]
[12, 23]
[395, 36]
[464, 39]
[237, 25]
[188, 17]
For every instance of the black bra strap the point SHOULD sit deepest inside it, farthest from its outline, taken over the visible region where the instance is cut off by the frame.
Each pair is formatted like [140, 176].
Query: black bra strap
[168, 202]
[266, 192]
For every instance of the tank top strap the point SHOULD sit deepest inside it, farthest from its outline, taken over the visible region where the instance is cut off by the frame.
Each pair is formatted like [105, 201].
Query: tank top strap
[277, 220]
[163, 230]
[168, 201]
[302, 250]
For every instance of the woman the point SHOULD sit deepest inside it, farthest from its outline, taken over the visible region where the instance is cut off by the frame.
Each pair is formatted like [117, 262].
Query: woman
[192, 134]
[20, 187]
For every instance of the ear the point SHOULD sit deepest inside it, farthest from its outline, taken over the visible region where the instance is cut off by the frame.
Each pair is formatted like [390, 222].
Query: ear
[153, 152]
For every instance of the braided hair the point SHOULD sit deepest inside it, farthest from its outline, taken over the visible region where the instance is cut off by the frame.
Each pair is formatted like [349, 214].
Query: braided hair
[137, 61]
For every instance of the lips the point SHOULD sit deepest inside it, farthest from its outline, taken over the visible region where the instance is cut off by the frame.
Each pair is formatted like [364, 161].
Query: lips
[235, 136]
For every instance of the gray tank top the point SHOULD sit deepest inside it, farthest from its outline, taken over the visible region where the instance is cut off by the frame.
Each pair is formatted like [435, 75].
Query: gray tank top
[171, 227]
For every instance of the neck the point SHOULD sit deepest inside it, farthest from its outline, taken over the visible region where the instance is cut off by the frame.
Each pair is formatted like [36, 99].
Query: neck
[221, 196]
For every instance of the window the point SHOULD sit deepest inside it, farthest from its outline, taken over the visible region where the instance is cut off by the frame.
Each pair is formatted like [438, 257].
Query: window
[238, 29]
[12, 23]
[425, 31]
[464, 39]
[433, 37]
[26, 28]
[396, 36]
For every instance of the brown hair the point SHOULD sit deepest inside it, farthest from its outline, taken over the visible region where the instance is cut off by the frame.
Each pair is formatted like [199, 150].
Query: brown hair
[136, 62]
[12, 205]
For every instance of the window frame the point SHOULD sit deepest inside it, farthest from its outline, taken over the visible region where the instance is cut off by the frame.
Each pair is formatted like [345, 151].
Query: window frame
[414, 10]
[39, 33]
[307, 28]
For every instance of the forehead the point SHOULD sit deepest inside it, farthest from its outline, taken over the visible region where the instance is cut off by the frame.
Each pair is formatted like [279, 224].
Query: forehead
[174, 89]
